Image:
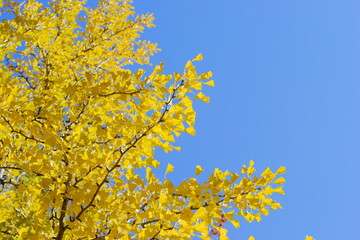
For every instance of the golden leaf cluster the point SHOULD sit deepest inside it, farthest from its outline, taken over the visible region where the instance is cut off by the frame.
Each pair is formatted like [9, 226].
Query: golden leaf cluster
[77, 127]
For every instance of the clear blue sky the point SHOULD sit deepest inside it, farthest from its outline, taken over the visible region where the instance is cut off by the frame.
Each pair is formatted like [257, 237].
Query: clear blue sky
[287, 93]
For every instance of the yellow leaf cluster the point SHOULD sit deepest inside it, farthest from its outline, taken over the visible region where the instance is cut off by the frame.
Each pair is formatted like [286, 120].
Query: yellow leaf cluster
[78, 131]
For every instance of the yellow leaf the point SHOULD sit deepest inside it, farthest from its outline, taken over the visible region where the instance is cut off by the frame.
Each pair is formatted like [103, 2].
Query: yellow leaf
[186, 214]
[279, 190]
[280, 180]
[190, 130]
[267, 172]
[199, 57]
[148, 174]
[201, 227]
[250, 171]
[210, 83]
[177, 76]
[198, 170]
[309, 238]
[197, 85]
[281, 170]
[206, 75]
[235, 223]
[223, 231]
[188, 65]
[169, 168]
[251, 238]
[22, 231]
[163, 198]
[201, 213]
[251, 163]
[202, 97]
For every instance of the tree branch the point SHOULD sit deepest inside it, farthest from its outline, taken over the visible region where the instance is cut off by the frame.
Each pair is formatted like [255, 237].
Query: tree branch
[120, 92]
[21, 133]
[122, 153]
[62, 226]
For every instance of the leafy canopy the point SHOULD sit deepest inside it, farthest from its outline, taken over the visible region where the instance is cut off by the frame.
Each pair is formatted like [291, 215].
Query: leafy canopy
[76, 125]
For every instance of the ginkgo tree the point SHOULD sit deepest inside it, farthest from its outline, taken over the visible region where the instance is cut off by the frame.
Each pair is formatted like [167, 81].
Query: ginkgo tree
[77, 127]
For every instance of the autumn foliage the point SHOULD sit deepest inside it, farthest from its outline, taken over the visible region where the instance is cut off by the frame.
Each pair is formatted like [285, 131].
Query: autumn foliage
[77, 126]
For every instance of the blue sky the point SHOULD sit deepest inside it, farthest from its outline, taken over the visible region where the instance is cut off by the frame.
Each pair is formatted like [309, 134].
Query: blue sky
[287, 93]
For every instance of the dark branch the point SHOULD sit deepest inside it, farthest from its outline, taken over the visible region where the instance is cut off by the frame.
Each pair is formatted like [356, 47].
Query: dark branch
[20, 132]
[120, 92]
